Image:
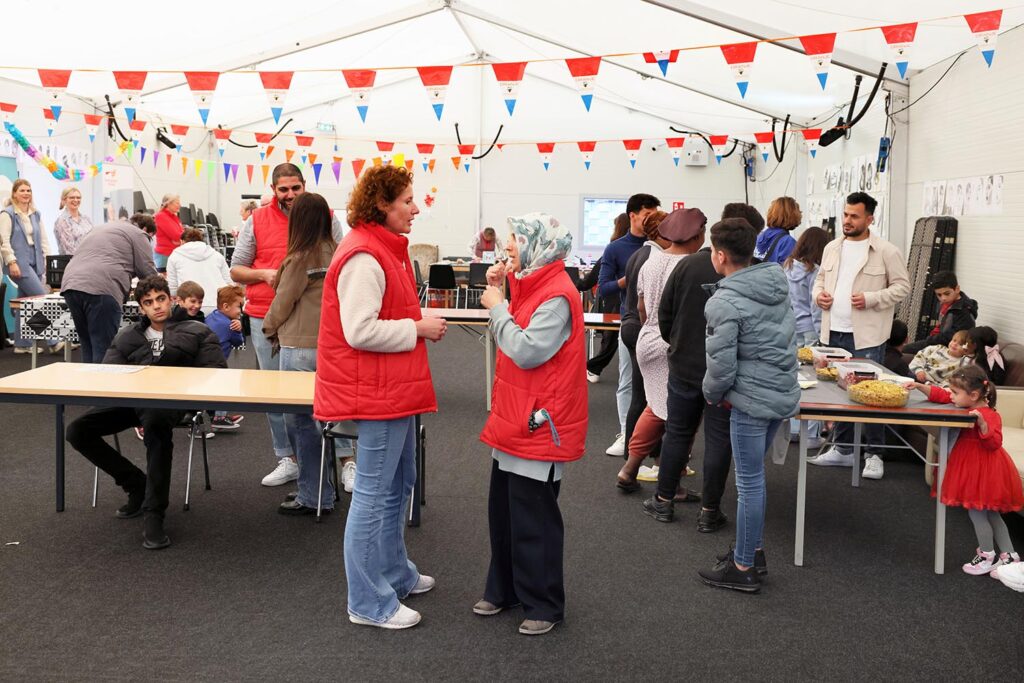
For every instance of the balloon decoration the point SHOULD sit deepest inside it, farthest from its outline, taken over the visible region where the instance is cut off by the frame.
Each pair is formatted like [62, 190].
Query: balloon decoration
[60, 171]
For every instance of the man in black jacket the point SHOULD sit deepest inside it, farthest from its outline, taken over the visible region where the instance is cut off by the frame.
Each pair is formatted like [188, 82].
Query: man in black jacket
[682, 324]
[154, 340]
[957, 311]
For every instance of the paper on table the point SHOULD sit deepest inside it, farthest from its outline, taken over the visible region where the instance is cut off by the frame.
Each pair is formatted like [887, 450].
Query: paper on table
[112, 369]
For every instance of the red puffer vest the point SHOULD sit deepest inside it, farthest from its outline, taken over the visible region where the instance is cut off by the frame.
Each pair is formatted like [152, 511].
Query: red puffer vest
[270, 229]
[560, 385]
[352, 384]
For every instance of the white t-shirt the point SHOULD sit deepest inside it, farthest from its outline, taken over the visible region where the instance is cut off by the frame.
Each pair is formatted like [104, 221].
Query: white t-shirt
[854, 255]
[156, 342]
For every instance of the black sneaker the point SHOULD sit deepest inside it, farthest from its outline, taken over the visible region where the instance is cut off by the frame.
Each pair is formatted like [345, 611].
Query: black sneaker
[661, 510]
[726, 575]
[760, 562]
[223, 423]
[133, 508]
[154, 537]
[711, 520]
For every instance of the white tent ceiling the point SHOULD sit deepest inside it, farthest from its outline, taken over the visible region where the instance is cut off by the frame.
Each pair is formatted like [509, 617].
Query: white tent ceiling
[632, 98]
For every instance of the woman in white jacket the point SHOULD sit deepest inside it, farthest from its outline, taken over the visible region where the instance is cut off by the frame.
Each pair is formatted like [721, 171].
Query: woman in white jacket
[197, 261]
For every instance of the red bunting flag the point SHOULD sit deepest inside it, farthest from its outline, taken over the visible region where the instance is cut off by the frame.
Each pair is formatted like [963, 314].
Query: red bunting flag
[248, 172]
[546, 149]
[819, 48]
[357, 166]
[304, 140]
[92, 124]
[168, 157]
[360, 83]
[467, 155]
[510, 76]
[899, 37]
[137, 126]
[740, 58]
[54, 82]
[587, 150]
[425, 151]
[202, 84]
[276, 83]
[985, 27]
[262, 140]
[179, 133]
[7, 110]
[584, 71]
[385, 148]
[662, 59]
[51, 121]
[718, 143]
[222, 135]
[130, 83]
[675, 147]
[632, 150]
[435, 79]
[764, 143]
[811, 136]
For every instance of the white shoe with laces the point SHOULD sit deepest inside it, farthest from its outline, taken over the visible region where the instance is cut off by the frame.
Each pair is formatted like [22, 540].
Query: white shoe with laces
[348, 476]
[592, 378]
[1012, 576]
[874, 468]
[832, 458]
[981, 564]
[403, 618]
[647, 473]
[424, 584]
[287, 470]
[1004, 560]
[618, 448]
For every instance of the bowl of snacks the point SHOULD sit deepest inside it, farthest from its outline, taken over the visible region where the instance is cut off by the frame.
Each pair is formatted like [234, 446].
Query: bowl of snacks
[827, 374]
[853, 373]
[823, 356]
[879, 393]
[804, 355]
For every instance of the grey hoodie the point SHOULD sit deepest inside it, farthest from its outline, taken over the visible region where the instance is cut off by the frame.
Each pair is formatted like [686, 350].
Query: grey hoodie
[751, 346]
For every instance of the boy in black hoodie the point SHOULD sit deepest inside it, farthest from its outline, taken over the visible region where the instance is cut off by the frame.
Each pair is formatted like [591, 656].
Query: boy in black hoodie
[958, 312]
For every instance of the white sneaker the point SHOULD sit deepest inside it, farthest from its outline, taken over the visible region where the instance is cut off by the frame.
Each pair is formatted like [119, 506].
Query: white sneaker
[403, 618]
[618, 447]
[287, 470]
[423, 585]
[348, 476]
[647, 473]
[874, 468]
[832, 458]
[1012, 576]
[23, 349]
[981, 564]
[1003, 560]
[56, 348]
[592, 378]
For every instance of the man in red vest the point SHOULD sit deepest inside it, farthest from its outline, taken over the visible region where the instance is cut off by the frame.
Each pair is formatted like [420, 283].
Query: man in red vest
[259, 250]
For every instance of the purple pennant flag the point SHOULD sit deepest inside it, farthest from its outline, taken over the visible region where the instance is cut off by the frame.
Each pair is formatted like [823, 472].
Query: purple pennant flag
[336, 167]
[156, 157]
[234, 173]
[316, 173]
[227, 171]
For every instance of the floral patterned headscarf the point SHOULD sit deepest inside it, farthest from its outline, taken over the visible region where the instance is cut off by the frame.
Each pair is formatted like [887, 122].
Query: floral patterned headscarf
[541, 240]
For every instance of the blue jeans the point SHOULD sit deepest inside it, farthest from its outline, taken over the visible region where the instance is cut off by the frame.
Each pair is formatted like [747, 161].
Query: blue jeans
[874, 434]
[97, 319]
[305, 437]
[160, 261]
[751, 438]
[278, 430]
[624, 391]
[813, 427]
[377, 567]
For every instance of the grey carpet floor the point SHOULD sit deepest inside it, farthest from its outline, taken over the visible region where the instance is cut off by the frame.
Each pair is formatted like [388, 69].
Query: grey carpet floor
[245, 593]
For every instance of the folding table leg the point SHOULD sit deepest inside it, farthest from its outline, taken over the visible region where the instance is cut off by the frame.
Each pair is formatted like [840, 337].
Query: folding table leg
[801, 497]
[940, 509]
[858, 428]
[59, 433]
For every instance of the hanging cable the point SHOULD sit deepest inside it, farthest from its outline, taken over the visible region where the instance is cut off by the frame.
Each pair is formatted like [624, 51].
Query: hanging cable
[497, 135]
[735, 142]
[238, 144]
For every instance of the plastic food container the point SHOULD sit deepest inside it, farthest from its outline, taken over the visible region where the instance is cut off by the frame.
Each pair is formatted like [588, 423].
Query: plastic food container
[804, 355]
[849, 374]
[823, 356]
[827, 374]
[879, 393]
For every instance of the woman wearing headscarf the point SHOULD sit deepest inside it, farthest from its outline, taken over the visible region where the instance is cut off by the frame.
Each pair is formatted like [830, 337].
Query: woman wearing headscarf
[538, 420]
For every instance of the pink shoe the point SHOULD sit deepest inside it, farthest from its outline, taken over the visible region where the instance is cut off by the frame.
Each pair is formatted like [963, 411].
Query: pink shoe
[981, 564]
[1004, 559]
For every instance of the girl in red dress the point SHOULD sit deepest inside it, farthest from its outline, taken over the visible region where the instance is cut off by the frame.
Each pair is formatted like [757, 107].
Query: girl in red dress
[980, 476]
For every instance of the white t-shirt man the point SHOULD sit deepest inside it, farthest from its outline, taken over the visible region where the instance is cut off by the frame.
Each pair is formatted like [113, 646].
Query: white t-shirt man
[853, 256]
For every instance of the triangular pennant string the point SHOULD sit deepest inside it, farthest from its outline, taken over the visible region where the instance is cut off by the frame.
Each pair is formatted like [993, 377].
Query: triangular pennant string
[632, 150]
[131, 84]
[265, 169]
[221, 135]
[360, 83]
[276, 83]
[202, 84]
[248, 172]
[510, 76]
[584, 71]
[985, 27]
[546, 149]
[587, 150]
[54, 82]
[740, 58]
[662, 59]
[179, 133]
[819, 49]
[764, 143]
[718, 143]
[811, 136]
[357, 166]
[899, 38]
[435, 79]
[675, 147]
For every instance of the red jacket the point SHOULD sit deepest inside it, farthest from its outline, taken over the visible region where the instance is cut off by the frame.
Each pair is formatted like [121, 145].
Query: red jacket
[352, 384]
[270, 230]
[168, 232]
[559, 386]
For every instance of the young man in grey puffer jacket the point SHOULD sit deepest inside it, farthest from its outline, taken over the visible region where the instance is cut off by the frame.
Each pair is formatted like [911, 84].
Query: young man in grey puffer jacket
[752, 369]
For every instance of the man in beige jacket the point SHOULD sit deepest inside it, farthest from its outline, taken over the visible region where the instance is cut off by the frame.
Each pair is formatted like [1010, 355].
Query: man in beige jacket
[861, 279]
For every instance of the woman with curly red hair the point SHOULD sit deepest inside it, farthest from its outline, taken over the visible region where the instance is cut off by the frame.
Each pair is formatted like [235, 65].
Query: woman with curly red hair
[372, 368]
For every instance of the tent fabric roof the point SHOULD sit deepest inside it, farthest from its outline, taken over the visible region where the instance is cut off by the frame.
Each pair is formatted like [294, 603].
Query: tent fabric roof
[632, 98]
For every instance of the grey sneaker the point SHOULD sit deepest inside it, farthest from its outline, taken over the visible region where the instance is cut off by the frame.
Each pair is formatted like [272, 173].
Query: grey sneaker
[661, 510]
[535, 627]
[488, 609]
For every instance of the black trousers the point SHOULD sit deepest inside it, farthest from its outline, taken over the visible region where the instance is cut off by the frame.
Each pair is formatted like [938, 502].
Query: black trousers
[686, 408]
[526, 545]
[605, 353]
[86, 435]
[97, 318]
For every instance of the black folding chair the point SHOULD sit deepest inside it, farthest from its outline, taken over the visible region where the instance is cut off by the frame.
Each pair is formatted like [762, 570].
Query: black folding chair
[477, 283]
[440, 284]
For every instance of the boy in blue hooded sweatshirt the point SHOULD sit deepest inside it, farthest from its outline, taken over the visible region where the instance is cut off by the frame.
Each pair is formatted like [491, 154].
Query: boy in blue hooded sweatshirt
[751, 368]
